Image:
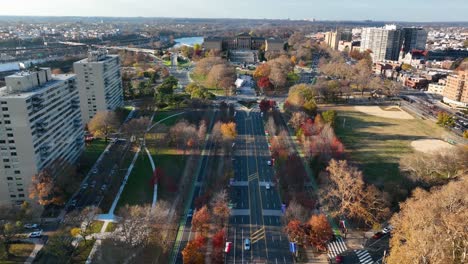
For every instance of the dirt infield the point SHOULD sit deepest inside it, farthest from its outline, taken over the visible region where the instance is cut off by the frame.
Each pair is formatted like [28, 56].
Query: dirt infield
[430, 145]
[392, 112]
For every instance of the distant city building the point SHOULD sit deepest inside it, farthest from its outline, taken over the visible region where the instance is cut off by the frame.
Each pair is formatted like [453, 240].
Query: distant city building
[385, 43]
[437, 88]
[274, 45]
[414, 39]
[40, 123]
[333, 38]
[243, 41]
[99, 83]
[347, 46]
[456, 90]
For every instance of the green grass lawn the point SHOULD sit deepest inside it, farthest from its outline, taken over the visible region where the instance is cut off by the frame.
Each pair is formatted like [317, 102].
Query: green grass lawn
[160, 115]
[20, 252]
[377, 144]
[138, 189]
[172, 164]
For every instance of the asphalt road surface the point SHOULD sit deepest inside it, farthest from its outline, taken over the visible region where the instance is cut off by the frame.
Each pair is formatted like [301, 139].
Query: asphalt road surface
[256, 212]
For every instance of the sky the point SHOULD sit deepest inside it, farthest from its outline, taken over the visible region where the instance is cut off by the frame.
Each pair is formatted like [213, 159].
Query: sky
[381, 10]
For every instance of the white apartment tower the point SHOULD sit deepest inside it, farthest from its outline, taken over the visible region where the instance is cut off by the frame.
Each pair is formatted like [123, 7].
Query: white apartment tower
[385, 43]
[40, 122]
[99, 83]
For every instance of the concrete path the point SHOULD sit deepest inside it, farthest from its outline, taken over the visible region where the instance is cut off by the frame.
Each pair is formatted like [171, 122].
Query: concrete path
[110, 214]
[38, 245]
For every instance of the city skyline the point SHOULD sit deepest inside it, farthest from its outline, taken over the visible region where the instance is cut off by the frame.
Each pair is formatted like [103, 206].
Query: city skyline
[399, 10]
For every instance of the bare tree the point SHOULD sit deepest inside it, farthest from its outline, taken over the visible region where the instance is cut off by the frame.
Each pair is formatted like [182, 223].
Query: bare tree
[347, 195]
[435, 168]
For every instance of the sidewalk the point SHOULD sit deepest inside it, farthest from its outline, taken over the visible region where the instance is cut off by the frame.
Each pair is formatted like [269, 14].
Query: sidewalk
[38, 245]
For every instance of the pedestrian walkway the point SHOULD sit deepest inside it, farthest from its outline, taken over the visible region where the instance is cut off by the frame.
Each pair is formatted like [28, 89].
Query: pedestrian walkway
[364, 256]
[336, 247]
[38, 245]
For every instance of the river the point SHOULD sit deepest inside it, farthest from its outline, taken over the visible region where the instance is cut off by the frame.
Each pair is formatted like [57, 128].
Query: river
[188, 41]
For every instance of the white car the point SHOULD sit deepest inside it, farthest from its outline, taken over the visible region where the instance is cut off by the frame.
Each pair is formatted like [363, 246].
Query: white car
[35, 234]
[31, 226]
[268, 186]
[247, 244]
[269, 162]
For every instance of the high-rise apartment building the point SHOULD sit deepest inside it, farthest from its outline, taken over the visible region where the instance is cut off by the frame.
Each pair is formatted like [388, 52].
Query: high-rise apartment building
[40, 122]
[385, 43]
[332, 39]
[414, 39]
[456, 89]
[99, 83]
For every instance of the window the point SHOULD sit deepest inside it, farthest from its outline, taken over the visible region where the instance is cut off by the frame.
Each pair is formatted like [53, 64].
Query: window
[11, 141]
[6, 160]
[6, 116]
[13, 196]
[4, 108]
[7, 122]
[20, 190]
[13, 154]
[10, 178]
[21, 195]
[17, 172]
[7, 167]
[10, 135]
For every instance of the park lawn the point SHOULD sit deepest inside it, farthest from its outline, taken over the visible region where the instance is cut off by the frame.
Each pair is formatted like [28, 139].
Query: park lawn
[20, 252]
[377, 144]
[172, 164]
[138, 190]
[96, 226]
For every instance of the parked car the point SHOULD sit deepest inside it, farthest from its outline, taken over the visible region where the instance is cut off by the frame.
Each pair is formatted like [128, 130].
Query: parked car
[103, 187]
[267, 186]
[35, 234]
[84, 186]
[93, 184]
[228, 247]
[247, 244]
[269, 163]
[31, 226]
[339, 259]
[378, 235]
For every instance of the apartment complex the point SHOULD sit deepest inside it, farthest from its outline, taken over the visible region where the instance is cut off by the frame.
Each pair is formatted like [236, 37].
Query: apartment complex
[456, 89]
[40, 122]
[414, 39]
[385, 43]
[99, 83]
[332, 39]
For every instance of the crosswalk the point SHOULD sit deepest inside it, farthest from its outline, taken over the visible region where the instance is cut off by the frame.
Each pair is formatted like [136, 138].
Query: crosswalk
[336, 247]
[364, 256]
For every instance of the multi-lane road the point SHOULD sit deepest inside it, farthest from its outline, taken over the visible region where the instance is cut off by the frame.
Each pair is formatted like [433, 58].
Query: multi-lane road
[256, 210]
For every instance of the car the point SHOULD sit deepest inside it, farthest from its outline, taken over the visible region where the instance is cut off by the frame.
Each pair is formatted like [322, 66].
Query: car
[339, 259]
[35, 234]
[190, 213]
[267, 186]
[93, 184]
[103, 187]
[73, 202]
[228, 247]
[269, 163]
[31, 226]
[247, 244]
[95, 170]
[84, 186]
[378, 235]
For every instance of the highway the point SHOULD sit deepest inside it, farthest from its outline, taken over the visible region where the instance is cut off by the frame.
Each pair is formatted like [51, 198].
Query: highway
[256, 212]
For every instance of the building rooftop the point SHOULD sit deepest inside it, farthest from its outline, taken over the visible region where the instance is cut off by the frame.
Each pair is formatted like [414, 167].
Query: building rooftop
[56, 79]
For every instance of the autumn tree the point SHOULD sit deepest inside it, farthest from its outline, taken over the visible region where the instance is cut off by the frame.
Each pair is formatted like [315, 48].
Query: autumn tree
[185, 135]
[262, 71]
[229, 131]
[346, 194]
[192, 253]
[134, 227]
[220, 207]
[437, 167]
[295, 211]
[103, 123]
[201, 220]
[445, 120]
[431, 226]
[321, 231]
[264, 83]
[136, 127]
[296, 231]
[297, 119]
[44, 189]
[8, 231]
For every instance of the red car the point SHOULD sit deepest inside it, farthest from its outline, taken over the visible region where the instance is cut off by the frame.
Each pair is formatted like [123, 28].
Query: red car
[339, 259]
[378, 235]
[228, 247]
